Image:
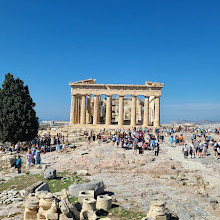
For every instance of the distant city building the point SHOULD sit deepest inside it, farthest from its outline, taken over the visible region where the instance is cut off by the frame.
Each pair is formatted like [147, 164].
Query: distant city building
[54, 123]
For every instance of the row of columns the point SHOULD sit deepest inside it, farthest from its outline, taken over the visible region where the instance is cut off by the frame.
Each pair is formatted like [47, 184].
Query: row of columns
[78, 110]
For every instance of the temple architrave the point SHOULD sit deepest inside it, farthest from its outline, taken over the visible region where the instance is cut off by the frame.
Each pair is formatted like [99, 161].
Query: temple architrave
[112, 105]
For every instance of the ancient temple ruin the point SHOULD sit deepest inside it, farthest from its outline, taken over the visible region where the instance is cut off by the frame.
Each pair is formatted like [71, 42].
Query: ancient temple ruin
[115, 105]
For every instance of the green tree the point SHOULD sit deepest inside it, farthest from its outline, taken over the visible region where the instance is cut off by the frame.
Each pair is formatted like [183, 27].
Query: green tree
[18, 120]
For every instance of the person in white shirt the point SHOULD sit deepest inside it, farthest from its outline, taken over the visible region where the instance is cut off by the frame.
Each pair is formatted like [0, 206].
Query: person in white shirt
[201, 149]
[218, 150]
[215, 149]
[185, 150]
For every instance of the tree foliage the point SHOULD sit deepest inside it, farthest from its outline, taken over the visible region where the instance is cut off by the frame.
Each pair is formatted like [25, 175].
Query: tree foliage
[18, 120]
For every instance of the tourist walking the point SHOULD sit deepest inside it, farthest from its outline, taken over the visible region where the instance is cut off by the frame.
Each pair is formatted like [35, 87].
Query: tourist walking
[122, 142]
[190, 150]
[117, 140]
[89, 140]
[33, 150]
[99, 139]
[93, 137]
[181, 138]
[18, 164]
[185, 150]
[54, 141]
[153, 143]
[201, 149]
[135, 147]
[205, 148]
[156, 150]
[140, 147]
[43, 149]
[177, 140]
[58, 147]
[171, 141]
[37, 153]
[29, 158]
[113, 139]
[197, 149]
[193, 147]
[218, 150]
[162, 138]
[215, 149]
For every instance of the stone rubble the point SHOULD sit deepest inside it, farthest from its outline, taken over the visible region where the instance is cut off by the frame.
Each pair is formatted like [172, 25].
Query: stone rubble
[88, 215]
[49, 173]
[97, 186]
[44, 205]
[86, 194]
[89, 204]
[7, 159]
[166, 178]
[104, 202]
[81, 172]
[158, 211]
[11, 196]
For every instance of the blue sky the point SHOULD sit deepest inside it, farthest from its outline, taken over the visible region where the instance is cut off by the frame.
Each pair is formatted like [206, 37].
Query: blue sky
[50, 43]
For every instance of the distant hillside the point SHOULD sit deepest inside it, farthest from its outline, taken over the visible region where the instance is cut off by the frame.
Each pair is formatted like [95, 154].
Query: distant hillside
[204, 122]
[200, 122]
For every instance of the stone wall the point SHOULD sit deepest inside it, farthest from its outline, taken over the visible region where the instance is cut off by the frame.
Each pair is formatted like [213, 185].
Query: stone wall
[7, 160]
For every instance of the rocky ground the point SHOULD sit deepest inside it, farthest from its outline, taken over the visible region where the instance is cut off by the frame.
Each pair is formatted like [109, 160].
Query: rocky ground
[190, 187]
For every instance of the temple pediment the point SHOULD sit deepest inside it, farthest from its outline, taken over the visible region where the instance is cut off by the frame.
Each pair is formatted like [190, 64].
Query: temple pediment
[154, 84]
[115, 86]
[89, 86]
[86, 81]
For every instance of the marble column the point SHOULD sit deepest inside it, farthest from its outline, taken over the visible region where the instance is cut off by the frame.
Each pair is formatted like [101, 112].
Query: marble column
[108, 117]
[121, 111]
[73, 108]
[76, 110]
[157, 112]
[133, 111]
[83, 110]
[146, 111]
[138, 110]
[95, 111]
[88, 115]
[152, 114]
[79, 109]
[99, 108]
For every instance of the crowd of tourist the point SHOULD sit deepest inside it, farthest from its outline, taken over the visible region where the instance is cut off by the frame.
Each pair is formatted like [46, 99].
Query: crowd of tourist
[139, 140]
[199, 145]
[33, 149]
